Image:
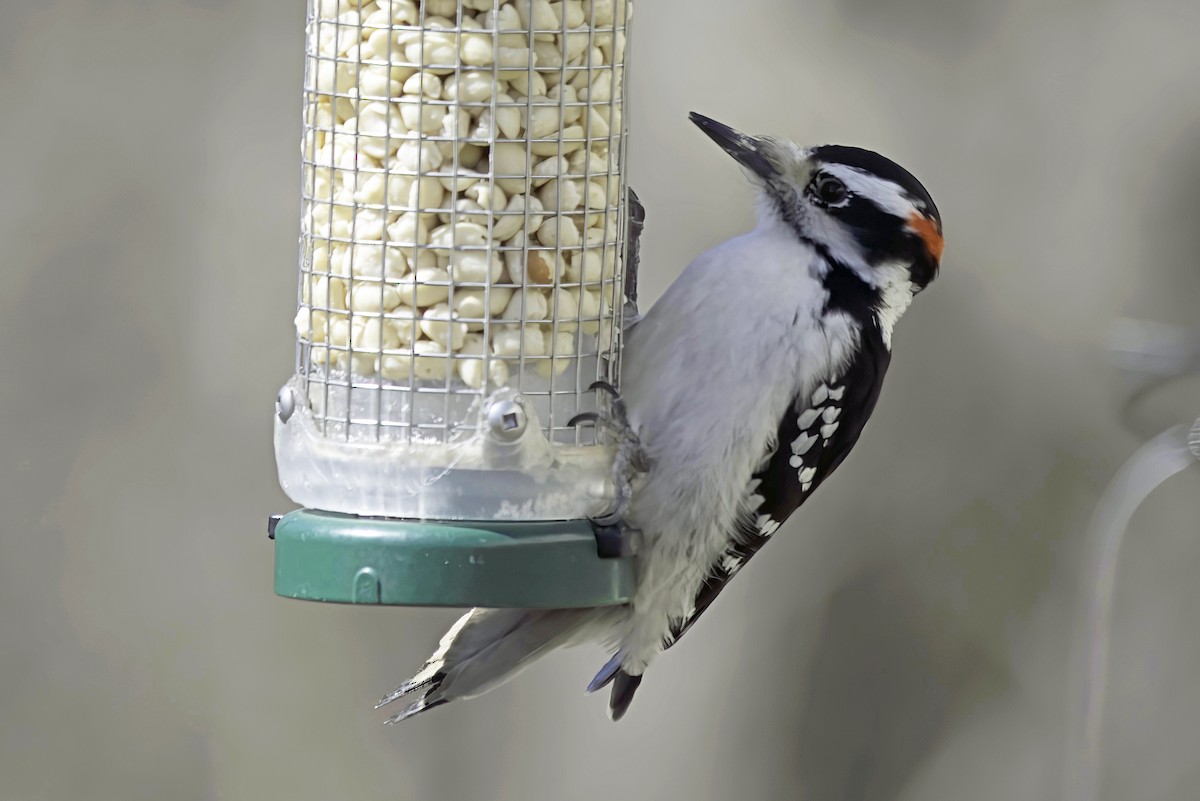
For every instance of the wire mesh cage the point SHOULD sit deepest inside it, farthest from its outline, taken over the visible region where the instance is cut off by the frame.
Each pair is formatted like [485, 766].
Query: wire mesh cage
[463, 248]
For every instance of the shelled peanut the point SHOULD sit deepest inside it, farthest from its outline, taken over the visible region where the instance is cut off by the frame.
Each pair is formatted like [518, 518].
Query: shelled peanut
[462, 186]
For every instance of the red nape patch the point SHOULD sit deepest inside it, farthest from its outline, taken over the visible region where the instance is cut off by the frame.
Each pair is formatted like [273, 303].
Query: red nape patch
[928, 230]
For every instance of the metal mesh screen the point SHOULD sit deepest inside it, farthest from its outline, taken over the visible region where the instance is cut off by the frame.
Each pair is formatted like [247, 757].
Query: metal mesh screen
[464, 211]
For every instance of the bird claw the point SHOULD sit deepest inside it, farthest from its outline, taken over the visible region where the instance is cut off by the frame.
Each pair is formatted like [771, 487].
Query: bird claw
[616, 422]
[585, 417]
[611, 533]
[608, 389]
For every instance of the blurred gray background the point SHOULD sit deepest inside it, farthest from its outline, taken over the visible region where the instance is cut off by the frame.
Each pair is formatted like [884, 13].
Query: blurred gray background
[908, 636]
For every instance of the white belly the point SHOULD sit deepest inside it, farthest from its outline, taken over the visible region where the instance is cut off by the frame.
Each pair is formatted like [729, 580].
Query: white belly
[707, 375]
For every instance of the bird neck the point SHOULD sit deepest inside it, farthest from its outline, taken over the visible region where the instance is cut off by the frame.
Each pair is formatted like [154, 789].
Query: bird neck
[878, 303]
[896, 293]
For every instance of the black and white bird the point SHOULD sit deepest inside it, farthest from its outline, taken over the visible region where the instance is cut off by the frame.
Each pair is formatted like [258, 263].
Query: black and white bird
[744, 387]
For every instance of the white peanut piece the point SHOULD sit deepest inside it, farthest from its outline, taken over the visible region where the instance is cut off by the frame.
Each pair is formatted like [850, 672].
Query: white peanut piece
[558, 230]
[460, 202]
[373, 297]
[441, 325]
[528, 304]
[517, 340]
[560, 194]
[564, 349]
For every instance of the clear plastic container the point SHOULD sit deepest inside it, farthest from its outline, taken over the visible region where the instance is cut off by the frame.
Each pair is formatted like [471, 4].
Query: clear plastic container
[462, 250]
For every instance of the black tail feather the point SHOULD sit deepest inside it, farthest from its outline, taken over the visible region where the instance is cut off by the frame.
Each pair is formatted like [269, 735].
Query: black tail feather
[606, 674]
[624, 686]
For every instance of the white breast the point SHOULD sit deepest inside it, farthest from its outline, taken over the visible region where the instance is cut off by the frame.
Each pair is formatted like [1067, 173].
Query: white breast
[707, 375]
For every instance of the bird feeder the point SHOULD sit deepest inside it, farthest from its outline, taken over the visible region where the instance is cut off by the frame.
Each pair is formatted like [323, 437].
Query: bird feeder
[461, 290]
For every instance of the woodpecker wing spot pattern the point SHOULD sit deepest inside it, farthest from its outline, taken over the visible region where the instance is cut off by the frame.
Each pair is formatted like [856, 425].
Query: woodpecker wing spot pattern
[767, 525]
[807, 453]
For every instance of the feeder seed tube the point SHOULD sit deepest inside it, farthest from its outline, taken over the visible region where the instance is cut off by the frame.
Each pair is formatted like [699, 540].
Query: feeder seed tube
[461, 185]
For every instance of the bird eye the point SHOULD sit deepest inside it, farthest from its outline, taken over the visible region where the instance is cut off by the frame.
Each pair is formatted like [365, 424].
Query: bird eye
[829, 190]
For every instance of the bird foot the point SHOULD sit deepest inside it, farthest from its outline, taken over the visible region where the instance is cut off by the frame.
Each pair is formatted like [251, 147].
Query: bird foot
[613, 537]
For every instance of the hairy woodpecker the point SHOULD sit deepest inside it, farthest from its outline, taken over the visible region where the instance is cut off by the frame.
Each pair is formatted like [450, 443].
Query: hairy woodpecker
[795, 321]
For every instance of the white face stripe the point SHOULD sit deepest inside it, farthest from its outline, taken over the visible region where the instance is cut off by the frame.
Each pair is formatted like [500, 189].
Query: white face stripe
[892, 279]
[818, 224]
[888, 196]
[842, 245]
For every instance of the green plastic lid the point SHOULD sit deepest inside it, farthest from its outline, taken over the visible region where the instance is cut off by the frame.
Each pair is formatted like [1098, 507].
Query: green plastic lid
[324, 556]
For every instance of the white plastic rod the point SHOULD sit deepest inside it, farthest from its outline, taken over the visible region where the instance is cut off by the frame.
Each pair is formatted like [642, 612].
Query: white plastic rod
[1162, 457]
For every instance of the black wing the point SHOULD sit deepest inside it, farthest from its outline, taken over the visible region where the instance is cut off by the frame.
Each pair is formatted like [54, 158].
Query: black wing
[814, 437]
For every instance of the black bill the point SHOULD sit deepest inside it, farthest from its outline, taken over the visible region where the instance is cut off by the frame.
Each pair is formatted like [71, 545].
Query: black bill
[746, 149]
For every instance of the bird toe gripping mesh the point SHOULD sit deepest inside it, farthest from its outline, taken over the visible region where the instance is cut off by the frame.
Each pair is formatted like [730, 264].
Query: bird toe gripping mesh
[463, 244]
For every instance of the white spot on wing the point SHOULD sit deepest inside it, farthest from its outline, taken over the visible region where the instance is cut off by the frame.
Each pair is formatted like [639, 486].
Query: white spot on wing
[828, 431]
[796, 461]
[820, 395]
[807, 418]
[767, 525]
[830, 414]
[807, 475]
[804, 487]
[803, 443]
[836, 394]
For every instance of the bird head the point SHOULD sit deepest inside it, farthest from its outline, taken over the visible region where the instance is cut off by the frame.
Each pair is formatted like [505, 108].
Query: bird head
[871, 219]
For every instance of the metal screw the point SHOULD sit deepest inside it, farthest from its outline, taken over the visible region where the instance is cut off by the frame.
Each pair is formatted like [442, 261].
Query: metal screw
[506, 420]
[285, 404]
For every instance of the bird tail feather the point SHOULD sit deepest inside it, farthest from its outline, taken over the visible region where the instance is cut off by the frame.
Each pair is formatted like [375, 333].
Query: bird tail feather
[486, 648]
[624, 685]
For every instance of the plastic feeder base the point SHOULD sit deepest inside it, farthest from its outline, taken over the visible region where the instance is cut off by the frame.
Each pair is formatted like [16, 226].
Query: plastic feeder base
[324, 556]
